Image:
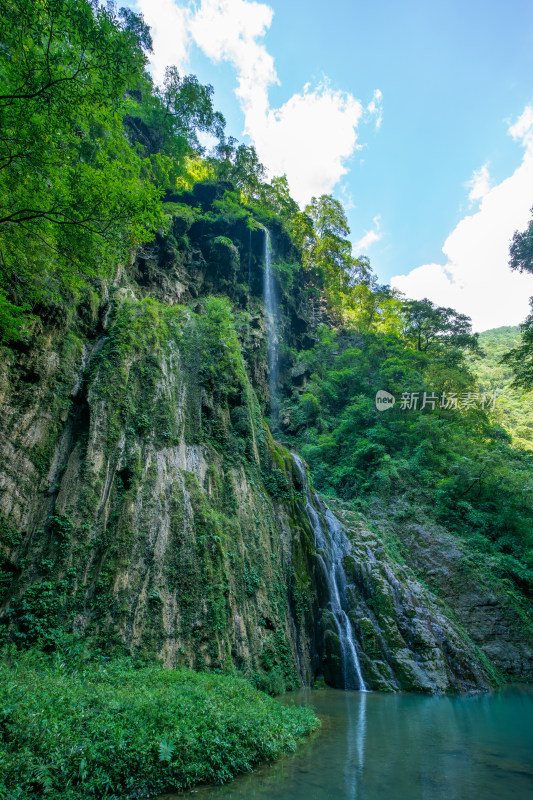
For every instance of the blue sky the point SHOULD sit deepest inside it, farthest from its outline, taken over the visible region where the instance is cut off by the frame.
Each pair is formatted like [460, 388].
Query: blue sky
[418, 116]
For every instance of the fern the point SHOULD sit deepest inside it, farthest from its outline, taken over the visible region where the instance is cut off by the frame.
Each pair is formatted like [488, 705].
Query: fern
[42, 775]
[166, 750]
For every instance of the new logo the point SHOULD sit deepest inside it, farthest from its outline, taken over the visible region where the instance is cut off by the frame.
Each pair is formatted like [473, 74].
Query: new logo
[384, 400]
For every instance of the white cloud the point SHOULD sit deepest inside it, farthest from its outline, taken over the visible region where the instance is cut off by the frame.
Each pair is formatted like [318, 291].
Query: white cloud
[479, 184]
[308, 138]
[345, 196]
[313, 133]
[523, 128]
[375, 107]
[228, 30]
[370, 237]
[476, 279]
[170, 34]
[311, 136]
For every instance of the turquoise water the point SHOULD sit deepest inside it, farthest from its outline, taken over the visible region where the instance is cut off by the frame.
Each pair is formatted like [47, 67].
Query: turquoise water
[402, 747]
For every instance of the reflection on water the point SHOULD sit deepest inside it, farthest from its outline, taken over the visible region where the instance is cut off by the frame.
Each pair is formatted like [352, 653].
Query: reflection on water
[355, 744]
[402, 747]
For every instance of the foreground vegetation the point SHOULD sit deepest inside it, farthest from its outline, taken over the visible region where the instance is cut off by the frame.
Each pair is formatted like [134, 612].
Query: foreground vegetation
[78, 730]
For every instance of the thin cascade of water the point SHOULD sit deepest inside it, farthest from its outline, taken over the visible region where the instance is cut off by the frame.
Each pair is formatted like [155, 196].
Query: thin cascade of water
[334, 546]
[271, 308]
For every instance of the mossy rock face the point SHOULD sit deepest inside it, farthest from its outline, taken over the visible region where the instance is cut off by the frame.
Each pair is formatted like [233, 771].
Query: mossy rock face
[223, 260]
[170, 520]
[173, 523]
[409, 674]
[370, 642]
[331, 658]
[404, 637]
[146, 504]
[181, 222]
[206, 192]
[378, 674]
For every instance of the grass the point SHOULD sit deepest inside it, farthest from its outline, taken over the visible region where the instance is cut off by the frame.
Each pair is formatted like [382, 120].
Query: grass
[114, 731]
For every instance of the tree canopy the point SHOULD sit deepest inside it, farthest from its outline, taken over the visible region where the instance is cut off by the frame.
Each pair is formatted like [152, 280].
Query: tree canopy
[74, 197]
[521, 250]
[427, 326]
[520, 358]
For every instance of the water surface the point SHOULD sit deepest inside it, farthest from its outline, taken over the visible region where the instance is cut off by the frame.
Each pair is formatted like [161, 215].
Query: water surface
[402, 747]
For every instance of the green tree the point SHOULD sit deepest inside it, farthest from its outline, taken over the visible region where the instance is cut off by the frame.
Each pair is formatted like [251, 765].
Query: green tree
[520, 358]
[321, 232]
[165, 122]
[428, 326]
[371, 307]
[331, 250]
[74, 197]
[135, 24]
[242, 167]
[455, 464]
[185, 108]
[521, 249]
[276, 195]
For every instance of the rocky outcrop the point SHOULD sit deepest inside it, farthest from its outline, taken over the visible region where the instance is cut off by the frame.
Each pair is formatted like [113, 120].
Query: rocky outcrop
[485, 607]
[406, 639]
[145, 505]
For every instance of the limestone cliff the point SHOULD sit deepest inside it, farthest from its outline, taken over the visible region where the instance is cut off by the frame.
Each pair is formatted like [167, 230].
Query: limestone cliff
[145, 504]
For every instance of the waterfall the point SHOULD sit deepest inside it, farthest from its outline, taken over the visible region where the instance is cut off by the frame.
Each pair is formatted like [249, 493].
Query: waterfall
[271, 309]
[332, 546]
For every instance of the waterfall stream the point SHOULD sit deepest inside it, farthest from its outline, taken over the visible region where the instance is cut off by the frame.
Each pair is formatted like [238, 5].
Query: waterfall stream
[271, 309]
[331, 541]
[332, 546]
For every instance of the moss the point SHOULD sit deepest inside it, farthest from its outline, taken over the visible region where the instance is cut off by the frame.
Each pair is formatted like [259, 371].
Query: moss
[381, 600]
[277, 455]
[127, 372]
[42, 453]
[36, 616]
[9, 536]
[61, 528]
[369, 638]
[166, 378]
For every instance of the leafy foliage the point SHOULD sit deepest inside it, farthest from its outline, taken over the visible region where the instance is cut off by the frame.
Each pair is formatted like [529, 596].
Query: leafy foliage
[513, 408]
[242, 167]
[76, 729]
[322, 231]
[88, 147]
[520, 358]
[457, 463]
[521, 250]
[427, 326]
[74, 197]
[165, 120]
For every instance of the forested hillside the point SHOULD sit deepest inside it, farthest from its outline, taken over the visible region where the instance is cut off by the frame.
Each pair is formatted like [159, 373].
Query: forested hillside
[514, 405]
[196, 470]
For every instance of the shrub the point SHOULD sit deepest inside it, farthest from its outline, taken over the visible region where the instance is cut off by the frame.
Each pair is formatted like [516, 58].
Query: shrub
[109, 730]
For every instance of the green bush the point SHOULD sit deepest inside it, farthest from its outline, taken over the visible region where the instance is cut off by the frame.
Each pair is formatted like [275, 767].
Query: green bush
[83, 730]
